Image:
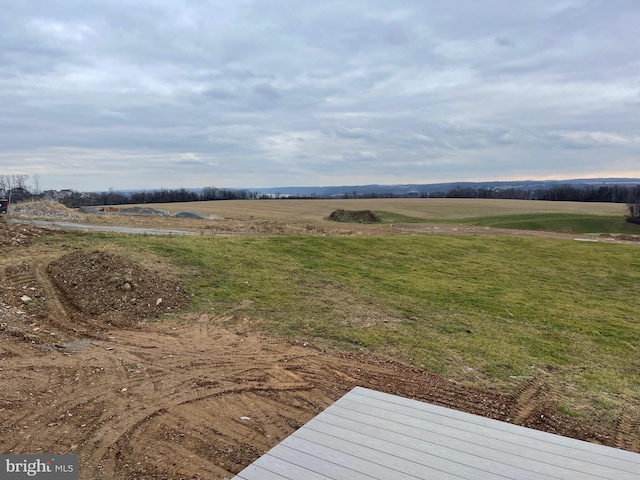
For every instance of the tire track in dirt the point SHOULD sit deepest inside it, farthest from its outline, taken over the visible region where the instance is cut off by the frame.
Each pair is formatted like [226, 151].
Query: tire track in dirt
[63, 317]
[628, 432]
[51, 324]
[202, 404]
[22, 299]
[528, 400]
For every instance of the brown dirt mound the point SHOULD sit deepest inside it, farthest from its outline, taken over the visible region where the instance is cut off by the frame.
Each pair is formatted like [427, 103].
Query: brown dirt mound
[13, 235]
[116, 289]
[354, 216]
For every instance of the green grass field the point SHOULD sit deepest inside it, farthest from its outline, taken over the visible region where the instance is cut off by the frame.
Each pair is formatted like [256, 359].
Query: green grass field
[559, 222]
[491, 311]
[549, 222]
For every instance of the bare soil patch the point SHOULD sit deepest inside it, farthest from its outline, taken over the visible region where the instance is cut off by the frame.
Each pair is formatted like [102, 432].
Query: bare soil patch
[190, 396]
[13, 235]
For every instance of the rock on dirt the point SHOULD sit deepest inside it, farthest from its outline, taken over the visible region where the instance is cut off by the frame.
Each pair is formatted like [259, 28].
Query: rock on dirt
[114, 288]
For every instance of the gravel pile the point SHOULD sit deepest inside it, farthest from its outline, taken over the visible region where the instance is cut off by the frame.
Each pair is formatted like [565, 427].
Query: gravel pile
[43, 209]
[152, 212]
[190, 214]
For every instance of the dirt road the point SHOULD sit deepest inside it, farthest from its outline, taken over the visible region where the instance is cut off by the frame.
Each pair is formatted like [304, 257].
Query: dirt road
[178, 227]
[190, 396]
[100, 228]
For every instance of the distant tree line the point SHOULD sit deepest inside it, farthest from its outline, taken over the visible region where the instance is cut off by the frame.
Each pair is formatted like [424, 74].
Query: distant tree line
[558, 193]
[565, 192]
[164, 195]
[17, 188]
[561, 193]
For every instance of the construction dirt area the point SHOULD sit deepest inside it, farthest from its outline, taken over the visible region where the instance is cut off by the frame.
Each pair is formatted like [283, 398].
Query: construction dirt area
[86, 368]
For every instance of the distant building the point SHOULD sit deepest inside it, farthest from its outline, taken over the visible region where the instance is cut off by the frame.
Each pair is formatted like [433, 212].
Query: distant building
[56, 195]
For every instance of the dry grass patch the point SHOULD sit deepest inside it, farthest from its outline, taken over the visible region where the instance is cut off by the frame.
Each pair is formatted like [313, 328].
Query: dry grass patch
[426, 208]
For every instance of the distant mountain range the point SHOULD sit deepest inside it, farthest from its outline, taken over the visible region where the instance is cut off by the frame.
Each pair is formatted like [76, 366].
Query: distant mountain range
[430, 188]
[411, 189]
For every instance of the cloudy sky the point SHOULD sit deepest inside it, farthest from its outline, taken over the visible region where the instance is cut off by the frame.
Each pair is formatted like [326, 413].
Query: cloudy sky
[271, 93]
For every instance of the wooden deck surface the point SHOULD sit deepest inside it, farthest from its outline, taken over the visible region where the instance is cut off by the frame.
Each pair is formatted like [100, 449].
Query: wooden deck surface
[373, 435]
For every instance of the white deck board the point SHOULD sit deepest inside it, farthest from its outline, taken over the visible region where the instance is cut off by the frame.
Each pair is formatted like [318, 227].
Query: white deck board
[422, 451]
[601, 450]
[524, 450]
[372, 435]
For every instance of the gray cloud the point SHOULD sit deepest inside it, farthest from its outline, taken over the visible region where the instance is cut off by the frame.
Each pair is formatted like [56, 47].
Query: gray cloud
[273, 93]
[266, 91]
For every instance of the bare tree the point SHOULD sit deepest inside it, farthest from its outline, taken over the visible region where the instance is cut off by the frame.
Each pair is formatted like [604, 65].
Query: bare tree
[14, 185]
[36, 184]
[4, 185]
[19, 180]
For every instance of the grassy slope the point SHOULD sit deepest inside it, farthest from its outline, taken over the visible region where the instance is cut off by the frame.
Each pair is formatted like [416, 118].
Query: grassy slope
[558, 222]
[552, 222]
[488, 310]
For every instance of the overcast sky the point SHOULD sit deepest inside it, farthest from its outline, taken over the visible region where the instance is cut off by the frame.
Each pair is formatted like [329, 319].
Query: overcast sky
[265, 93]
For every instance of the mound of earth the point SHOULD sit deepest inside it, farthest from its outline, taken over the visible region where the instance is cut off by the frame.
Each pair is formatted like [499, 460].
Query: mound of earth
[152, 212]
[190, 214]
[13, 235]
[354, 216]
[43, 209]
[113, 288]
